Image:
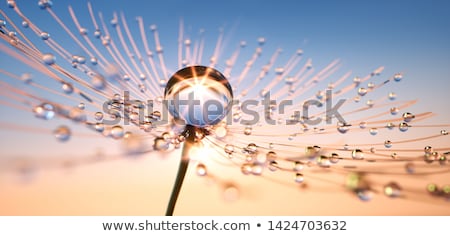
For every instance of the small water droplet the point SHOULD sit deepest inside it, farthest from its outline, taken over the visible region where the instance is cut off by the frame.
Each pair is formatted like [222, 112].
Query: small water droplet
[407, 116]
[117, 132]
[98, 81]
[82, 106]
[362, 125]
[398, 77]
[83, 31]
[67, 87]
[373, 131]
[98, 116]
[410, 167]
[394, 110]
[25, 24]
[394, 155]
[298, 166]
[246, 168]
[248, 130]
[44, 111]
[97, 33]
[362, 91]
[257, 169]
[334, 158]
[357, 154]
[370, 85]
[48, 58]
[373, 150]
[100, 127]
[392, 96]
[364, 194]
[390, 126]
[299, 178]
[428, 149]
[370, 103]
[62, 133]
[44, 35]
[357, 80]
[229, 148]
[251, 148]
[387, 143]
[444, 132]
[273, 166]
[160, 144]
[200, 169]
[342, 127]
[403, 126]
[11, 3]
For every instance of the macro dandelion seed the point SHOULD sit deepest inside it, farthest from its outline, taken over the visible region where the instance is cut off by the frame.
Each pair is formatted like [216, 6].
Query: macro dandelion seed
[238, 109]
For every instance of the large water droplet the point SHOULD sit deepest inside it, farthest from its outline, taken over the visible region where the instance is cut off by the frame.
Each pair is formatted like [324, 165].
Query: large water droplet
[62, 133]
[357, 154]
[44, 111]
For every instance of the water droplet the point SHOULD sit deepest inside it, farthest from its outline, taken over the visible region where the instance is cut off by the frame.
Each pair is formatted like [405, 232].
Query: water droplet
[246, 168]
[373, 150]
[394, 155]
[98, 81]
[273, 166]
[62, 133]
[117, 132]
[428, 150]
[44, 35]
[81, 105]
[390, 125]
[25, 24]
[433, 189]
[362, 125]
[334, 158]
[370, 85]
[257, 169]
[387, 143]
[342, 127]
[98, 116]
[48, 58]
[370, 103]
[229, 148]
[44, 111]
[357, 154]
[394, 110]
[298, 166]
[407, 116]
[299, 178]
[201, 169]
[77, 115]
[398, 77]
[444, 132]
[364, 194]
[251, 148]
[99, 127]
[11, 3]
[410, 167]
[403, 126]
[357, 99]
[230, 193]
[43, 4]
[248, 130]
[392, 96]
[160, 144]
[97, 33]
[83, 31]
[373, 131]
[362, 91]
[357, 80]
[67, 87]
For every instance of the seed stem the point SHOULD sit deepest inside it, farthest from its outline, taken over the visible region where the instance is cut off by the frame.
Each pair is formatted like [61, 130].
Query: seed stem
[182, 168]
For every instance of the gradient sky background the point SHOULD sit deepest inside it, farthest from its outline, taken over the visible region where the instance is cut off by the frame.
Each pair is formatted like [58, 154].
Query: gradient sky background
[404, 36]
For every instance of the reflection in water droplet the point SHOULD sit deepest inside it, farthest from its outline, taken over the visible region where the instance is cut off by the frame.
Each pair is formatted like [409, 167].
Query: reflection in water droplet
[201, 169]
[44, 111]
[62, 133]
[357, 154]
